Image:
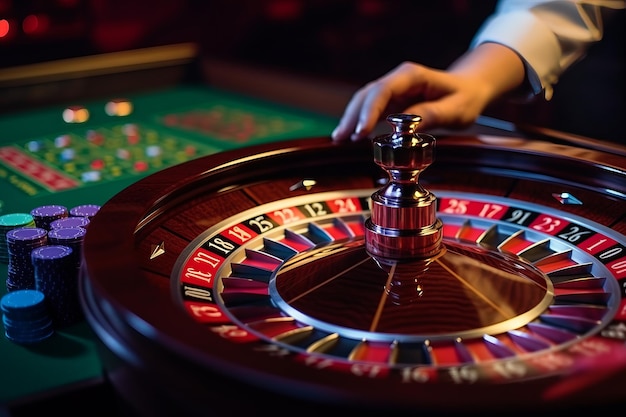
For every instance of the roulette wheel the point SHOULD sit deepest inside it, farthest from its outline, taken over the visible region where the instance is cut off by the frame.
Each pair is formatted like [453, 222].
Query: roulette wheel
[462, 274]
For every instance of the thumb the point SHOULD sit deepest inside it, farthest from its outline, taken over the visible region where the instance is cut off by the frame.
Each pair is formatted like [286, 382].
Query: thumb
[453, 112]
[430, 117]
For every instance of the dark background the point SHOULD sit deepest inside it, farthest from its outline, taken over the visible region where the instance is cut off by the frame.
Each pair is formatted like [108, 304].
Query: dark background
[337, 40]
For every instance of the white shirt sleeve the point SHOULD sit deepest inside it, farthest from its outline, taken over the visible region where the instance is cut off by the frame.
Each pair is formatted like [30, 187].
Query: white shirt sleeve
[549, 36]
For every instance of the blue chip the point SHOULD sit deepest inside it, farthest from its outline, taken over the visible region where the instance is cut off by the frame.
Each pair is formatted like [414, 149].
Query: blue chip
[21, 300]
[29, 336]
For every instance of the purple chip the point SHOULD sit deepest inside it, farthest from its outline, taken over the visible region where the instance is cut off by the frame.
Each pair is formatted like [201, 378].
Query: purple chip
[56, 275]
[50, 211]
[70, 222]
[26, 234]
[85, 210]
[67, 234]
[20, 243]
[51, 252]
[44, 215]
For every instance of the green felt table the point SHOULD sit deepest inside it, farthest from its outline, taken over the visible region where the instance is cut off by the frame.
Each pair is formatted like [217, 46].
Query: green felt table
[92, 160]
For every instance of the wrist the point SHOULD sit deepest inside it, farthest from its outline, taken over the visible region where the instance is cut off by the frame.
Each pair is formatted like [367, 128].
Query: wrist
[493, 69]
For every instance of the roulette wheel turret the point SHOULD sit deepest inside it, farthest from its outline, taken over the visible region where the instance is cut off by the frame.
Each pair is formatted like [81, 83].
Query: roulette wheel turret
[309, 276]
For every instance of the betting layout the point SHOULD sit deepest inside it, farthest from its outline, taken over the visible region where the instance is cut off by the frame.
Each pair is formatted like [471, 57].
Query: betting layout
[85, 153]
[101, 147]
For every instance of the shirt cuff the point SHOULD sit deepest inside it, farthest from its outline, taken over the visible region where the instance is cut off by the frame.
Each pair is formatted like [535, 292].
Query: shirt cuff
[532, 40]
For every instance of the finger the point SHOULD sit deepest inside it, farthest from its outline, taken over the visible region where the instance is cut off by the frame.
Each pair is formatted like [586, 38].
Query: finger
[451, 112]
[428, 114]
[375, 104]
[349, 120]
[389, 93]
[366, 107]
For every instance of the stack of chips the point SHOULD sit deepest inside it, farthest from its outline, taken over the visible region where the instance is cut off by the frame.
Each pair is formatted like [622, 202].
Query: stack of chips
[44, 215]
[56, 277]
[69, 236]
[43, 252]
[20, 243]
[8, 222]
[25, 316]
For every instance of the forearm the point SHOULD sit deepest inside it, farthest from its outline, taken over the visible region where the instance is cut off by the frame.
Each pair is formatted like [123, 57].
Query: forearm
[497, 69]
[549, 35]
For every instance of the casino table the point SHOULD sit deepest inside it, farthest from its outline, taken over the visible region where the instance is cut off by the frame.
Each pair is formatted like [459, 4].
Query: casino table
[49, 155]
[228, 273]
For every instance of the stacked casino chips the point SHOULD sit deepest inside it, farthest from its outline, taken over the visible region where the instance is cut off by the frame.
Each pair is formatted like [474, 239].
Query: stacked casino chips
[25, 316]
[44, 215]
[42, 249]
[8, 222]
[69, 236]
[20, 243]
[56, 277]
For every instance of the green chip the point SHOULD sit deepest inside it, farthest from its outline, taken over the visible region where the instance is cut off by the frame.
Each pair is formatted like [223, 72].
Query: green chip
[16, 219]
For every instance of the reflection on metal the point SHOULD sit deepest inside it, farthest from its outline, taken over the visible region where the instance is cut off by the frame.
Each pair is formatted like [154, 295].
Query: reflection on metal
[157, 250]
[303, 184]
[566, 199]
[403, 222]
